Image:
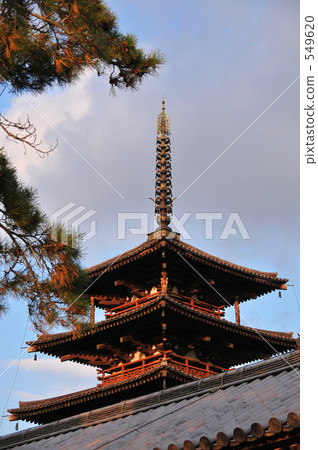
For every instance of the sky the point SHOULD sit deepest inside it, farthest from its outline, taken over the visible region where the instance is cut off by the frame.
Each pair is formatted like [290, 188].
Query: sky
[231, 86]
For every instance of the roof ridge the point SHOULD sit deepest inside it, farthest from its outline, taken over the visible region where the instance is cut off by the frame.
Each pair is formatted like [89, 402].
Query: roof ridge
[144, 245]
[274, 334]
[219, 260]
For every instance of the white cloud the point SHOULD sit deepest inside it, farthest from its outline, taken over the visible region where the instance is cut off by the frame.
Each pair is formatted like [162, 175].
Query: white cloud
[55, 366]
[26, 396]
[51, 113]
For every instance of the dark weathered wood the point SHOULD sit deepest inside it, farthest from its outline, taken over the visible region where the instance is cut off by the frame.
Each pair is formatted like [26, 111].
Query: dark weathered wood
[275, 425]
[222, 439]
[188, 445]
[134, 289]
[293, 419]
[92, 311]
[125, 339]
[172, 447]
[237, 311]
[239, 434]
[102, 346]
[114, 352]
[93, 360]
[69, 357]
[295, 447]
[205, 444]
[109, 302]
[257, 430]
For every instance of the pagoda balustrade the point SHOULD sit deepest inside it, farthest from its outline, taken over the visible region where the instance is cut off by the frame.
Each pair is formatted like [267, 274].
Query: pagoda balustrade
[188, 366]
[216, 311]
[125, 307]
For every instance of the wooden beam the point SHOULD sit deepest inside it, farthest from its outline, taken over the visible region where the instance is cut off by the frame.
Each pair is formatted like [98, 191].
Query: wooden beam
[137, 344]
[108, 300]
[101, 346]
[94, 360]
[13, 417]
[32, 349]
[143, 347]
[135, 289]
[124, 339]
[116, 352]
[92, 311]
[237, 311]
[69, 357]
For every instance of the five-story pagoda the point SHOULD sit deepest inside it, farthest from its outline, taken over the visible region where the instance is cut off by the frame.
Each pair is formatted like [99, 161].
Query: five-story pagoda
[164, 306]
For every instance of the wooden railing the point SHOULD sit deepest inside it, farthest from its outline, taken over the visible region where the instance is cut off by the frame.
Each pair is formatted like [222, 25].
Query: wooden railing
[130, 370]
[129, 305]
[216, 311]
[193, 367]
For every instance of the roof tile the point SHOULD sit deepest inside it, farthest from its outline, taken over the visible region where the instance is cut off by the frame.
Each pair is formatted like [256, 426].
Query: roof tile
[255, 398]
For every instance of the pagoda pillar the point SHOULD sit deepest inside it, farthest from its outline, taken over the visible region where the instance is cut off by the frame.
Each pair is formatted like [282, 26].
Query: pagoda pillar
[237, 311]
[92, 311]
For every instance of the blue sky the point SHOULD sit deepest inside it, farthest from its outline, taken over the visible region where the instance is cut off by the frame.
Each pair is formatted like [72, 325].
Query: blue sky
[230, 83]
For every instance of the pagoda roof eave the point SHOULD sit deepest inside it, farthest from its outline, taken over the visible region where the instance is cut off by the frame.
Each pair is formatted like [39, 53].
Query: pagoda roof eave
[114, 262]
[50, 343]
[188, 251]
[29, 410]
[35, 410]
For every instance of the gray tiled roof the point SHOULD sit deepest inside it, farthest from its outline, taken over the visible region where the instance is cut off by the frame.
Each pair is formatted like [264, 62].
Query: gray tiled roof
[256, 393]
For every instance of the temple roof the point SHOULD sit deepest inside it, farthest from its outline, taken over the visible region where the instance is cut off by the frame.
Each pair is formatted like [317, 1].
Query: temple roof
[248, 407]
[155, 299]
[248, 343]
[230, 281]
[154, 244]
[42, 411]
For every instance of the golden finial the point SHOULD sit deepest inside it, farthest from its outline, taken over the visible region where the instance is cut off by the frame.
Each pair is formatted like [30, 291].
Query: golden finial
[163, 191]
[163, 122]
[163, 188]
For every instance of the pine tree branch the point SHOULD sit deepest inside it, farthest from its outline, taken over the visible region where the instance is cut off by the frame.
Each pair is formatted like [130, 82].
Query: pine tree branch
[25, 259]
[28, 137]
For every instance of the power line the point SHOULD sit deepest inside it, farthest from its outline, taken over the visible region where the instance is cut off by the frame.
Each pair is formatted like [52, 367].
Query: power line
[296, 297]
[15, 375]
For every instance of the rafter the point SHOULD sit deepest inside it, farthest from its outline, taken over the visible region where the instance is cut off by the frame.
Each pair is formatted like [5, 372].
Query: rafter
[93, 360]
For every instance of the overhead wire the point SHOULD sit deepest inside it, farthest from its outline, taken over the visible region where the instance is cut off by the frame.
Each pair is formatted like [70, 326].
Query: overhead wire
[16, 373]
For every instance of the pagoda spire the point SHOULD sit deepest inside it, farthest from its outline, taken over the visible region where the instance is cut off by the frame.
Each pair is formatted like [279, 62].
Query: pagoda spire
[163, 190]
